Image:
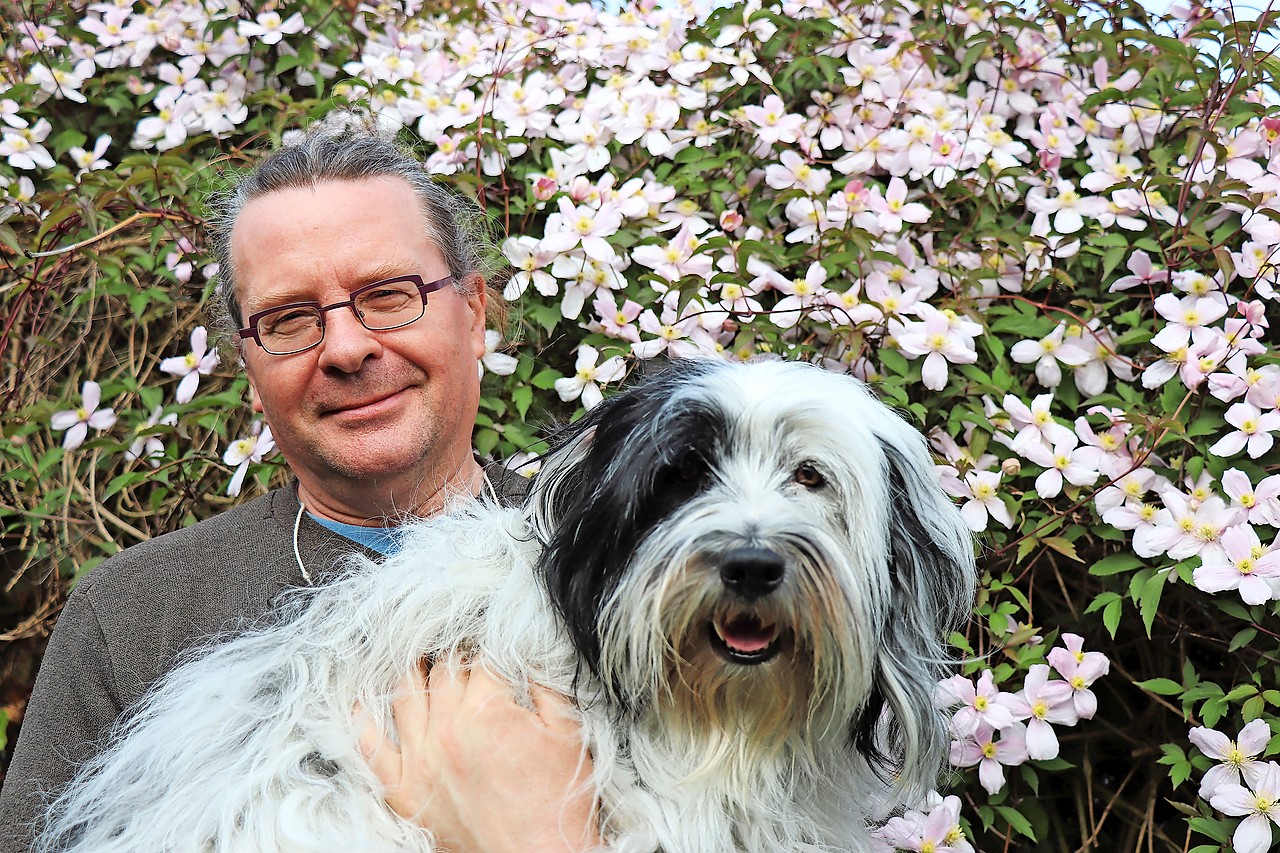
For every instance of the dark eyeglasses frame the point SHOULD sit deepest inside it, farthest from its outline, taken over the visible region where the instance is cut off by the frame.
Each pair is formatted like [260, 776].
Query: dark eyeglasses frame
[424, 287]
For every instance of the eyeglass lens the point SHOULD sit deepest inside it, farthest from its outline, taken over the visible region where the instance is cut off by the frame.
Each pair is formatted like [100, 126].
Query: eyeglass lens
[389, 305]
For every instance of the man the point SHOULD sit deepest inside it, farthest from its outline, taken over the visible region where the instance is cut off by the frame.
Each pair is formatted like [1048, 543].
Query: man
[352, 282]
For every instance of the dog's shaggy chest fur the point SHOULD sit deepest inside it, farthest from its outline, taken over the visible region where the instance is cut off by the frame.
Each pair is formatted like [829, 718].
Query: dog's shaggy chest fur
[742, 574]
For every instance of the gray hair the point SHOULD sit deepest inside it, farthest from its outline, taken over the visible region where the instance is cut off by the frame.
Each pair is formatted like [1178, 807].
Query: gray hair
[348, 146]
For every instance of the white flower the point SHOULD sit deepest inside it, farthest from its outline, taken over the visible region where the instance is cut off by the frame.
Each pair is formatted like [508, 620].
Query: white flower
[22, 147]
[494, 361]
[91, 161]
[1237, 757]
[270, 28]
[199, 362]
[984, 500]
[77, 421]
[254, 447]
[150, 447]
[1259, 805]
[584, 382]
[1047, 352]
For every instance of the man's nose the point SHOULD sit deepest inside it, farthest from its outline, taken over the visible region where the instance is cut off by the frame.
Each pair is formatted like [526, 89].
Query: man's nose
[346, 342]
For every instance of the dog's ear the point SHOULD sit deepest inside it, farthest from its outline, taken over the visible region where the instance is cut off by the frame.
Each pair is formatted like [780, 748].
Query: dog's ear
[932, 571]
[931, 546]
[584, 507]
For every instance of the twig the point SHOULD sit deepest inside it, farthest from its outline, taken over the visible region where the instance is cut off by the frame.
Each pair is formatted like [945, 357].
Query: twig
[124, 223]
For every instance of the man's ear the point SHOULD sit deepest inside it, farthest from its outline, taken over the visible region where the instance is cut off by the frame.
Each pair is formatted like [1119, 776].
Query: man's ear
[254, 401]
[477, 301]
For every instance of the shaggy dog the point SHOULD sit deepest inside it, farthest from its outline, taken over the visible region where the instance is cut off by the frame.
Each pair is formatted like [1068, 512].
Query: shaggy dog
[742, 574]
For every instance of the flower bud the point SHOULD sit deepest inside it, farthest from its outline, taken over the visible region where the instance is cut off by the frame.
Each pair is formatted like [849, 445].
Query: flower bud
[544, 188]
[1011, 467]
[730, 220]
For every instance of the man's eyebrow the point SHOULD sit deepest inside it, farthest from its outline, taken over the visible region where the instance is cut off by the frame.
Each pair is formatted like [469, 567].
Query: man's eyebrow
[279, 297]
[386, 269]
[288, 295]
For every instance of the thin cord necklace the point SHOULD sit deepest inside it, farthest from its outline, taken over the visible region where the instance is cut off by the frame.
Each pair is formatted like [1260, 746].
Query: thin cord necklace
[297, 523]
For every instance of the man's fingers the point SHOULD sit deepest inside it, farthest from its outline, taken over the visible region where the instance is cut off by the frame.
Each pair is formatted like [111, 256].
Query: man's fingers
[409, 713]
[410, 707]
[378, 750]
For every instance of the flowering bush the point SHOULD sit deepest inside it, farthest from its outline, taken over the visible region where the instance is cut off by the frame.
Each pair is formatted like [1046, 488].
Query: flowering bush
[1049, 238]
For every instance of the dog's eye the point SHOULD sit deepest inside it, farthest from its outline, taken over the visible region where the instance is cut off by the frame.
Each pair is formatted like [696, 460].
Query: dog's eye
[689, 468]
[809, 476]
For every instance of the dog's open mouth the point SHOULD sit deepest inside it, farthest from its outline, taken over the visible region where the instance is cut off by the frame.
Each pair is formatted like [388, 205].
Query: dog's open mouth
[744, 638]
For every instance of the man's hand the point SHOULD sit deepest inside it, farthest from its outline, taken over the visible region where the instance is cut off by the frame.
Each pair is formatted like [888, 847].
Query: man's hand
[483, 773]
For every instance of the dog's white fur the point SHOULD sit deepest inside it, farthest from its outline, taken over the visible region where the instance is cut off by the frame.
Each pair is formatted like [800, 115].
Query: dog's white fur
[603, 590]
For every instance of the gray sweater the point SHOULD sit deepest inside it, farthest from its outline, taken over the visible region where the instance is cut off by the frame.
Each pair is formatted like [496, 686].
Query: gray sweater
[131, 620]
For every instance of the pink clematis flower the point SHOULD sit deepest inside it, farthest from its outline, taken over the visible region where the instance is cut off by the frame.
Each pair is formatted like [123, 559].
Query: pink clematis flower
[270, 28]
[1042, 702]
[982, 704]
[582, 226]
[942, 337]
[1252, 431]
[894, 209]
[937, 831]
[1046, 354]
[1080, 669]
[1183, 315]
[1247, 566]
[1035, 423]
[1142, 273]
[615, 321]
[497, 363]
[984, 501]
[1063, 461]
[991, 756]
[151, 447]
[1261, 505]
[77, 421]
[772, 122]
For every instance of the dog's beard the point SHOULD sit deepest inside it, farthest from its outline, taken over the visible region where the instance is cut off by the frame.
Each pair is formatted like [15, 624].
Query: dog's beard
[739, 680]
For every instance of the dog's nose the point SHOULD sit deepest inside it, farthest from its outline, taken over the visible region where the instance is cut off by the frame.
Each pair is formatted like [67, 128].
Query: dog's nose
[752, 572]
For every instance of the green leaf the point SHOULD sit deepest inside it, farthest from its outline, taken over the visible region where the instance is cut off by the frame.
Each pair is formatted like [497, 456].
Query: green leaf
[522, 396]
[546, 379]
[1015, 819]
[485, 441]
[1111, 616]
[1160, 686]
[1114, 565]
[1237, 693]
[1148, 599]
[1242, 638]
[1218, 830]
[894, 361]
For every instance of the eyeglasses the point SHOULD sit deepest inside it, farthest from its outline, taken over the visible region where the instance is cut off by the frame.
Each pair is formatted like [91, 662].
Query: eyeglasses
[380, 307]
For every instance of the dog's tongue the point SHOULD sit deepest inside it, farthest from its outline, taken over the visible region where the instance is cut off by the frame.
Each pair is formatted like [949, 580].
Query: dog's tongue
[745, 634]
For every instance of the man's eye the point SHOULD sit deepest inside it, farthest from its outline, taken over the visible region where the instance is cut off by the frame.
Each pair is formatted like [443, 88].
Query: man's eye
[383, 299]
[292, 322]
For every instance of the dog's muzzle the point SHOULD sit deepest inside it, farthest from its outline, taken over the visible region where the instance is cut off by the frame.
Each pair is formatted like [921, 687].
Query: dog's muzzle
[742, 634]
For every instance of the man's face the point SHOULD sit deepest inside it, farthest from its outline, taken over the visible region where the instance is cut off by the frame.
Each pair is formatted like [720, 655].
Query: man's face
[362, 409]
